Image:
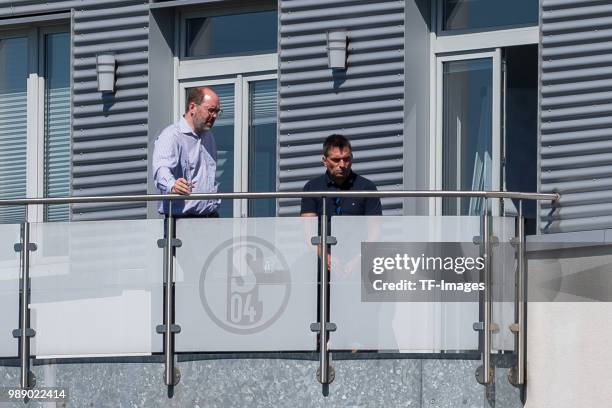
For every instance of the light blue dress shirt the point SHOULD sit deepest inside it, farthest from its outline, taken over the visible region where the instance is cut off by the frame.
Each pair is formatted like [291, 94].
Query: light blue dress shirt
[180, 152]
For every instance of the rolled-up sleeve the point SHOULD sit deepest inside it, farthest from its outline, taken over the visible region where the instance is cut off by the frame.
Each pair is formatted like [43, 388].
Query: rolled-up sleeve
[165, 160]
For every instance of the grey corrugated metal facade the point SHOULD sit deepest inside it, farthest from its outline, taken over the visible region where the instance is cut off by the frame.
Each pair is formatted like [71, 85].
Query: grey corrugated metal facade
[576, 113]
[110, 131]
[365, 102]
[368, 102]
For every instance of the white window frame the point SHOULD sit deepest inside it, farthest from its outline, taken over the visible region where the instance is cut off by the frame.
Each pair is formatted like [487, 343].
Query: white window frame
[495, 56]
[35, 127]
[242, 85]
[239, 70]
[468, 45]
[42, 77]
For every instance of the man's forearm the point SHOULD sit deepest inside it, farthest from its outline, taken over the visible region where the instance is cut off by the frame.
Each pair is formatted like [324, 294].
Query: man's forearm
[164, 181]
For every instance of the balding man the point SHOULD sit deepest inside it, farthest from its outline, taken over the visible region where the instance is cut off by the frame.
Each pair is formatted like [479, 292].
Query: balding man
[185, 156]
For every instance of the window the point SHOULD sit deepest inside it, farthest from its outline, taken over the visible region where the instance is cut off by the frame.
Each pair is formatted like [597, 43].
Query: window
[486, 14]
[246, 140]
[222, 51]
[13, 123]
[467, 131]
[34, 120]
[484, 104]
[233, 34]
[57, 123]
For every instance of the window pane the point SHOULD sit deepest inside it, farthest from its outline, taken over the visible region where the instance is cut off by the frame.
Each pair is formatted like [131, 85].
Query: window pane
[262, 145]
[13, 124]
[232, 34]
[57, 123]
[467, 132]
[475, 14]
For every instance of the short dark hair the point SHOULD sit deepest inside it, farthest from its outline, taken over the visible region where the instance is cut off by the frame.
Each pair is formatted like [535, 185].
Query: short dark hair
[335, 140]
[195, 95]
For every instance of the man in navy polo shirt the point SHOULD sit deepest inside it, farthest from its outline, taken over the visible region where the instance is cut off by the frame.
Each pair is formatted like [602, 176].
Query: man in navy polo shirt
[337, 159]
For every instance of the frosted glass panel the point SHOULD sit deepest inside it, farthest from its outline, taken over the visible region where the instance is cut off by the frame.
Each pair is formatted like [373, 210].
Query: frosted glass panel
[246, 284]
[96, 288]
[409, 326]
[9, 289]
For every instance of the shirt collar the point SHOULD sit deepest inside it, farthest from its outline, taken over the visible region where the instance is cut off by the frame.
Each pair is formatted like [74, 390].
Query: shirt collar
[347, 183]
[185, 128]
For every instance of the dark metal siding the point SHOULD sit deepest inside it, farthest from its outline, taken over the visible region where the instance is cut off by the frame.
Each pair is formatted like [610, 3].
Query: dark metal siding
[576, 114]
[366, 103]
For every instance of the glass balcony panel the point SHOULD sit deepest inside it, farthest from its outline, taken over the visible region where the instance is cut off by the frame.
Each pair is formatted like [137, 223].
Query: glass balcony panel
[246, 284]
[410, 326]
[9, 288]
[96, 288]
[504, 281]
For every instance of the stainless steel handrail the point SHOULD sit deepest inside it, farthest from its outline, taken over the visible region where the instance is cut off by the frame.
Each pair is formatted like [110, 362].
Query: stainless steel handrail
[282, 194]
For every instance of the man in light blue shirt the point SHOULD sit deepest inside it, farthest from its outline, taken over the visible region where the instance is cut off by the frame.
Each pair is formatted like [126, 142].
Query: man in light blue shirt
[185, 156]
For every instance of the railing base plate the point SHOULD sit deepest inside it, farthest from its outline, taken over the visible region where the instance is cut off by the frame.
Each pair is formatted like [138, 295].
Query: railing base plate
[331, 376]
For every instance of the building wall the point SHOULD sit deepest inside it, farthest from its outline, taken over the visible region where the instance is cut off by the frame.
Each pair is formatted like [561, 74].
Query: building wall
[109, 131]
[370, 102]
[228, 382]
[576, 107]
[365, 102]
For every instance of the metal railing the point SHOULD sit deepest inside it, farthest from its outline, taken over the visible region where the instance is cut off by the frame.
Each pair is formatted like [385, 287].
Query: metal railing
[325, 373]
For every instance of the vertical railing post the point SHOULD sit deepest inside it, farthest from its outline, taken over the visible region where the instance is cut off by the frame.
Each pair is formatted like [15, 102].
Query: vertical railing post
[324, 367]
[484, 373]
[169, 328]
[516, 376]
[325, 373]
[24, 332]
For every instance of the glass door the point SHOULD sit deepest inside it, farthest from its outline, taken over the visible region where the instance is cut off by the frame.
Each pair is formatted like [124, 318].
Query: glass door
[468, 129]
[224, 132]
[246, 137]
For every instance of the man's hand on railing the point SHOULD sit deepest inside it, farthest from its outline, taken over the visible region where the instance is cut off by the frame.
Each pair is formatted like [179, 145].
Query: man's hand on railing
[182, 187]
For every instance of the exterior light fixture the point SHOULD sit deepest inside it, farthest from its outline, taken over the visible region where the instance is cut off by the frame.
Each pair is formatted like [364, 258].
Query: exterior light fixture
[105, 66]
[336, 48]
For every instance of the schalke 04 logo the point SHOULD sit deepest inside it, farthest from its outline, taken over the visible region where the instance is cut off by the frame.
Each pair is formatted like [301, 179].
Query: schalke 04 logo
[245, 285]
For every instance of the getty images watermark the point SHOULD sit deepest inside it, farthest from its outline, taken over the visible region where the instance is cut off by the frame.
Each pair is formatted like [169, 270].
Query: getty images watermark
[454, 272]
[425, 271]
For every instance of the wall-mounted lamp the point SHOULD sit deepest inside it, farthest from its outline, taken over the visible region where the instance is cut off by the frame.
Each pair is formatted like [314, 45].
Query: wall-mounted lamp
[336, 48]
[105, 66]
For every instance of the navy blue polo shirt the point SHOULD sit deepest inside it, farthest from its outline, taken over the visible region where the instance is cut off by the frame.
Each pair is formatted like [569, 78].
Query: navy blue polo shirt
[342, 205]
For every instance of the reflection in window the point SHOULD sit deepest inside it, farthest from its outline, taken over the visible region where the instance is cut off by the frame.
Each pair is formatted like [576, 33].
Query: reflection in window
[262, 145]
[13, 124]
[477, 14]
[233, 34]
[57, 123]
[467, 132]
